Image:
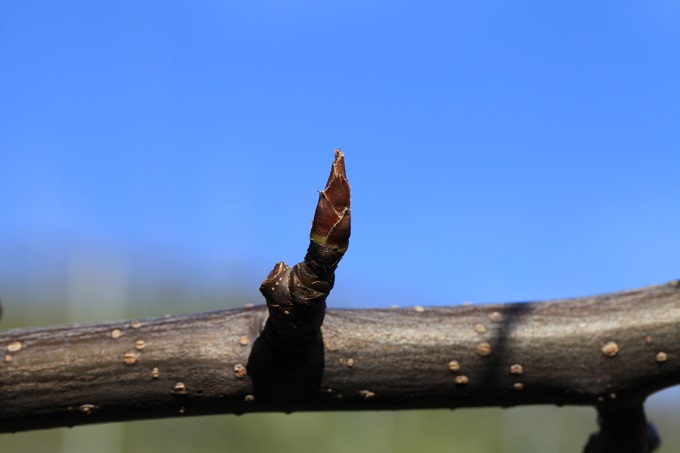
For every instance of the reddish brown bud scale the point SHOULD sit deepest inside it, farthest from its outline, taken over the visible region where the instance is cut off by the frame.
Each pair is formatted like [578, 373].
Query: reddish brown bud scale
[332, 225]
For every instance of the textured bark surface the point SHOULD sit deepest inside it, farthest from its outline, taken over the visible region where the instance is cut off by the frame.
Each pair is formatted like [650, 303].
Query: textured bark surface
[608, 351]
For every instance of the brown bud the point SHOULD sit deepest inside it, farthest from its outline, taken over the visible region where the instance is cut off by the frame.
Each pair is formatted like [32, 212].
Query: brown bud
[331, 226]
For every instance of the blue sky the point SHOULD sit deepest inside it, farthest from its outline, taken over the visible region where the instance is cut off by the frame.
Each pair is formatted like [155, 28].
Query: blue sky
[497, 151]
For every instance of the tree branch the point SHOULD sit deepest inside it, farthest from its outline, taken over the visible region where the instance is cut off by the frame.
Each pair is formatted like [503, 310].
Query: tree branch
[623, 429]
[556, 352]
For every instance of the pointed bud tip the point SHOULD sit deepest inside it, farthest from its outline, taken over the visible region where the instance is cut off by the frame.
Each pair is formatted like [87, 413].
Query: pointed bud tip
[338, 168]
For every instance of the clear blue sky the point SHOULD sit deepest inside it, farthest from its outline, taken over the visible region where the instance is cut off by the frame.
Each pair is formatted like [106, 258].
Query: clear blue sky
[497, 151]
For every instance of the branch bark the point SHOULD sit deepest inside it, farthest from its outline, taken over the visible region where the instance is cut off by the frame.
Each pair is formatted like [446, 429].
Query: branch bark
[557, 352]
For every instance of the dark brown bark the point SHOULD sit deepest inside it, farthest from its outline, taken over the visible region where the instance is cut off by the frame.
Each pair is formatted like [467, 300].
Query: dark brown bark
[623, 429]
[557, 352]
